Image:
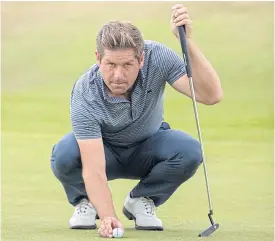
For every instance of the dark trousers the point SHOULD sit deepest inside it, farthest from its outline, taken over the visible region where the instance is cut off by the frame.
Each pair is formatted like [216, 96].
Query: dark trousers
[162, 163]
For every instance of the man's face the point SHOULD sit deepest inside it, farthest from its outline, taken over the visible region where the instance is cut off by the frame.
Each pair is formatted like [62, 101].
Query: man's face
[119, 69]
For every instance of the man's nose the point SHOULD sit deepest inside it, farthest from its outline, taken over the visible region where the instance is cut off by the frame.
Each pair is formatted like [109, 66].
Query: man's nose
[118, 74]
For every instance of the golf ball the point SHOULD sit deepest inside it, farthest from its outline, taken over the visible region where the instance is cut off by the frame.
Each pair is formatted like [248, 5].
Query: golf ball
[117, 233]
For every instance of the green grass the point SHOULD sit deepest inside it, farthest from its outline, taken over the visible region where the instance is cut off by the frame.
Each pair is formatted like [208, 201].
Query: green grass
[46, 46]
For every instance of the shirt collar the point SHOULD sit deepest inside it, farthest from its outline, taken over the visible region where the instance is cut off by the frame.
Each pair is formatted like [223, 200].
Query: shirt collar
[142, 76]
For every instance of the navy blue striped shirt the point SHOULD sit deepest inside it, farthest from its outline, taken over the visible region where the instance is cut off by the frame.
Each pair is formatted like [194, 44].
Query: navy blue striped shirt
[118, 121]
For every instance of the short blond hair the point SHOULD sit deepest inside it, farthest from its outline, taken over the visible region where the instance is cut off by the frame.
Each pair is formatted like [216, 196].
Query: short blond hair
[119, 35]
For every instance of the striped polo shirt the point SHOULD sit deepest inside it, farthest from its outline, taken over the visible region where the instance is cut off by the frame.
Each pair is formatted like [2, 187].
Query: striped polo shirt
[118, 121]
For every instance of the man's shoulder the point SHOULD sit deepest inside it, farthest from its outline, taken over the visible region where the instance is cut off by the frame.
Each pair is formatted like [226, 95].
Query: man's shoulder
[154, 45]
[87, 79]
[86, 89]
[150, 45]
[154, 50]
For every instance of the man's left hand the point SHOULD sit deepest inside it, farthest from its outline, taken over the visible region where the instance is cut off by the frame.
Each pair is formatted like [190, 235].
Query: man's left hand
[180, 17]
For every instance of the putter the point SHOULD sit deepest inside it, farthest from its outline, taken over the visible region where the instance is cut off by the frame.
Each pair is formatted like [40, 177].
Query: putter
[214, 226]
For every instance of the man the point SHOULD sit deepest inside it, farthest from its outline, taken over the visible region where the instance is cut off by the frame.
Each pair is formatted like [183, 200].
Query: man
[118, 127]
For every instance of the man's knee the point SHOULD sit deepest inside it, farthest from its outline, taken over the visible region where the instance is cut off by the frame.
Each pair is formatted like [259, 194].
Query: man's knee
[190, 157]
[194, 154]
[66, 155]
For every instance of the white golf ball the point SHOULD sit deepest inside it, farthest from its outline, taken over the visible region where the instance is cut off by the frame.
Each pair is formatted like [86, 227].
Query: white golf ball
[117, 233]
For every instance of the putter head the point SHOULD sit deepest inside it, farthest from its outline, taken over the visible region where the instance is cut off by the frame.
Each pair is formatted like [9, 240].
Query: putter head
[210, 230]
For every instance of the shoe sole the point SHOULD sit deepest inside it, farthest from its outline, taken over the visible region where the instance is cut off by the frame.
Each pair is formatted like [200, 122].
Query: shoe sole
[84, 227]
[132, 217]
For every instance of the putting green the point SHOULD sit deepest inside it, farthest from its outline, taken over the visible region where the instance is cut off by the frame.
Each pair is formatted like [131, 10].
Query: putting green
[47, 45]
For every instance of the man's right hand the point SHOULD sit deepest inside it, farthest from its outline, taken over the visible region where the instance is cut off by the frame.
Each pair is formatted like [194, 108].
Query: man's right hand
[107, 225]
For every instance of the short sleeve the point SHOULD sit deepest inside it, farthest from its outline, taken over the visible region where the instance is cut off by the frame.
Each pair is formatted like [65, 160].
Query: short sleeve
[84, 123]
[170, 63]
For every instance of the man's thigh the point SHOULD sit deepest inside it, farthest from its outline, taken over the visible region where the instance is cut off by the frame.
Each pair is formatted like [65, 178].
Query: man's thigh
[66, 152]
[163, 145]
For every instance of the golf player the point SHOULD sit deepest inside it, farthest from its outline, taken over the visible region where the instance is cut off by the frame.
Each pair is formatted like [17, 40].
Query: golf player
[118, 129]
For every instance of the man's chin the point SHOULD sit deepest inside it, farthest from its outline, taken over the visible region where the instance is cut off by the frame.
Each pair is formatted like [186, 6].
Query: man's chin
[119, 91]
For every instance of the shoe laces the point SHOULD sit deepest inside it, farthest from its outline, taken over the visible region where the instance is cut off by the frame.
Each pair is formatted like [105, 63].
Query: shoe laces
[82, 206]
[149, 205]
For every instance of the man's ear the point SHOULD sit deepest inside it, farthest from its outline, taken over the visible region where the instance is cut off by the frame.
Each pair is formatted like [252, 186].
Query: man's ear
[97, 57]
[141, 60]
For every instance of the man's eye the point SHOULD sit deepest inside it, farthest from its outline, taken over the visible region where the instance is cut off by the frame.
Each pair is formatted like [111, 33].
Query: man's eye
[111, 64]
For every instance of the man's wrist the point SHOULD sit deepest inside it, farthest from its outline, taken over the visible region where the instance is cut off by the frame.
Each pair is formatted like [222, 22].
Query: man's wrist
[188, 39]
[107, 215]
[189, 43]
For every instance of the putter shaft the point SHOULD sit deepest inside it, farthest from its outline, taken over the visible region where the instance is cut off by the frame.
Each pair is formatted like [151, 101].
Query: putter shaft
[201, 143]
[184, 47]
[189, 74]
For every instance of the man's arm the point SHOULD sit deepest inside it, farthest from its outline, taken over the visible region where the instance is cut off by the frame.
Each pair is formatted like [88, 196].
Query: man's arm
[87, 131]
[94, 175]
[88, 135]
[205, 79]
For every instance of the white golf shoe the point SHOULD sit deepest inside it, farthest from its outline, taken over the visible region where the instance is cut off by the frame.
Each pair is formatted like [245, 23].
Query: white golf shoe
[84, 216]
[142, 210]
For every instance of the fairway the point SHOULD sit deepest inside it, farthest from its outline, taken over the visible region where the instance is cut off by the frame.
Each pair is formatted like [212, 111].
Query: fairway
[46, 46]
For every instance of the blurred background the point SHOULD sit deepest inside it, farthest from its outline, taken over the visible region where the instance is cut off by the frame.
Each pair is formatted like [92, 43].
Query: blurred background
[46, 46]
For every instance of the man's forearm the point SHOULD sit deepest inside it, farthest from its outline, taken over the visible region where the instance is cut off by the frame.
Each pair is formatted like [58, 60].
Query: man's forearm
[99, 194]
[205, 77]
[200, 65]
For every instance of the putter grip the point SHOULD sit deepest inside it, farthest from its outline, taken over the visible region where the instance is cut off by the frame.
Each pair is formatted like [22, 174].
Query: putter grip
[184, 49]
